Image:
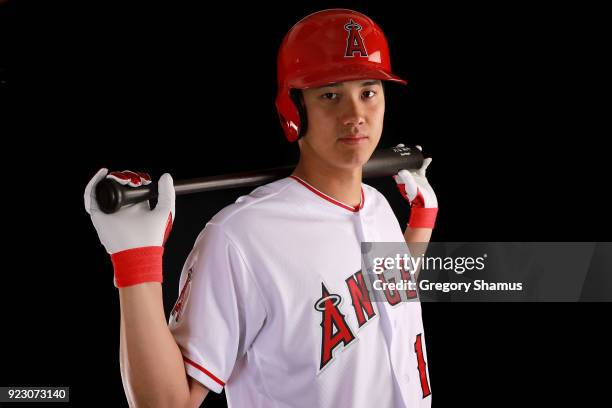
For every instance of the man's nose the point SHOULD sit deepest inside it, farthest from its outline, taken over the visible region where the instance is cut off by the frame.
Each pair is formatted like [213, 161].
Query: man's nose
[353, 113]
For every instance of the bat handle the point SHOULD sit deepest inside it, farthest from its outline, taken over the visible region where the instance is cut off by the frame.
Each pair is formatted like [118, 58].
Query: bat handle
[111, 195]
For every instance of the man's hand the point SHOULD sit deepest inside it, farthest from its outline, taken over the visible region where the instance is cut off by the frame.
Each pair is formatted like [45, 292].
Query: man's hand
[135, 235]
[415, 188]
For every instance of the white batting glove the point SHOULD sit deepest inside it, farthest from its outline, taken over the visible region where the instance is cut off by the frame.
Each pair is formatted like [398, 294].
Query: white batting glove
[415, 188]
[135, 235]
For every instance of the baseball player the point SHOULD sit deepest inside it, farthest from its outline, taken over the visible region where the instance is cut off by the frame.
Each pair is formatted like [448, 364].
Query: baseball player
[272, 305]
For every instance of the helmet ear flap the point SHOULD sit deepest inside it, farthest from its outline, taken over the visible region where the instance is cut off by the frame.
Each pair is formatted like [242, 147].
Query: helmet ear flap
[298, 100]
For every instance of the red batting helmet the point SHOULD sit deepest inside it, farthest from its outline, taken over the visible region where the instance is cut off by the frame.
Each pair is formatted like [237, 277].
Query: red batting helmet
[328, 46]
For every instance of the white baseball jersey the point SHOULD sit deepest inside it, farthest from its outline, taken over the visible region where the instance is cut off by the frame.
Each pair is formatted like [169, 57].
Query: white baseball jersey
[272, 305]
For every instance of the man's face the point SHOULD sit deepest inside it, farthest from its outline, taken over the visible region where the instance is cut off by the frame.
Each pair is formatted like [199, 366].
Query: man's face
[345, 122]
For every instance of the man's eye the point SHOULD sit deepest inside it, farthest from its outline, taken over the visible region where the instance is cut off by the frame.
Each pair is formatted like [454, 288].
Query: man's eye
[369, 94]
[330, 95]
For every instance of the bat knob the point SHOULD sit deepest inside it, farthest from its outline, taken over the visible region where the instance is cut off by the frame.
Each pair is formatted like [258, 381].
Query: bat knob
[109, 195]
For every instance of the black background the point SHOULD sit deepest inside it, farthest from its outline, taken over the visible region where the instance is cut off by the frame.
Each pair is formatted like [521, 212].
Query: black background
[507, 100]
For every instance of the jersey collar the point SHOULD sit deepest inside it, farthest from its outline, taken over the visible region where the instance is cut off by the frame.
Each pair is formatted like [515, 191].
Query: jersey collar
[331, 199]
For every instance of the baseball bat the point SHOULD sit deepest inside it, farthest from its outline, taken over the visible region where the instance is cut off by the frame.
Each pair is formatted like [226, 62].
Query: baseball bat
[111, 195]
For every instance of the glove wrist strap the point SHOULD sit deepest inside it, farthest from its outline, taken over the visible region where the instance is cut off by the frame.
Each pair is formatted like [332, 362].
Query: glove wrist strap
[138, 265]
[422, 217]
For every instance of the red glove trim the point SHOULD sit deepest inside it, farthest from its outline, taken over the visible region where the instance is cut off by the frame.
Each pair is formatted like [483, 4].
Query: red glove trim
[138, 265]
[422, 217]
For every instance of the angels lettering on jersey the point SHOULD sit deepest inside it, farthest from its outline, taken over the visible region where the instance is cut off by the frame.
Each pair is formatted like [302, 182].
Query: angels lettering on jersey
[336, 333]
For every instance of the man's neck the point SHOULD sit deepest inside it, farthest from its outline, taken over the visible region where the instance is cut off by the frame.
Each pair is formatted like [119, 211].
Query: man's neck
[343, 185]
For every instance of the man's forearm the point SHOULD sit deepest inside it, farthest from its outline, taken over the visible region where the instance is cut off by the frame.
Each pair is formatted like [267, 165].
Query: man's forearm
[417, 240]
[152, 366]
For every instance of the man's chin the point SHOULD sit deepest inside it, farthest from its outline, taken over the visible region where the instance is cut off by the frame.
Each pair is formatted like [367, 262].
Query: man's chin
[355, 159]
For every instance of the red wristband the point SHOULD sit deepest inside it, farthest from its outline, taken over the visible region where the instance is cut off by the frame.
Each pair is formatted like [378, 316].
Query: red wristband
[138, 265]
[422, 217]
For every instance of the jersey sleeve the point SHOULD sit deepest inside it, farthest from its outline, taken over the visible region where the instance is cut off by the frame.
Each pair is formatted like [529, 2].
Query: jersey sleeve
[219, 310]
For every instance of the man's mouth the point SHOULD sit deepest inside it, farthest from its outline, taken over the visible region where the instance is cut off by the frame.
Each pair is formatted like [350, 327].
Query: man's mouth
[352, 140]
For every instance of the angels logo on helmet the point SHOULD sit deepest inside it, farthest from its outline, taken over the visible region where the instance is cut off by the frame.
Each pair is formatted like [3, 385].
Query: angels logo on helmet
[354, 42]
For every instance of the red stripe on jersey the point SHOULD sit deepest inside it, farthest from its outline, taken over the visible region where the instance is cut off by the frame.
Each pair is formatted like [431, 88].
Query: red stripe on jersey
[205, 371]
[330, 199]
